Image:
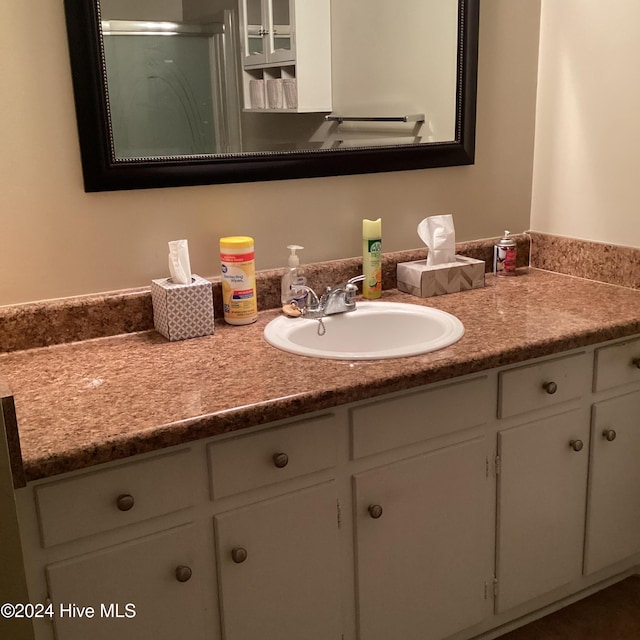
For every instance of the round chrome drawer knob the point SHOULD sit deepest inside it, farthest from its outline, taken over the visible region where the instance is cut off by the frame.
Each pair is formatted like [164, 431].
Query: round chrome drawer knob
[609, 435]
[239, 554]
[281, 460]
[183, 573]
[550, 387]
[375, 511]
[576, 445]
[125, 502]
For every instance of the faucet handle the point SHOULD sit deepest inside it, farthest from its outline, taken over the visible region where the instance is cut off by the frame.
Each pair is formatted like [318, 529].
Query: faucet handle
[355, 279]
[350, 289]
[350, 292]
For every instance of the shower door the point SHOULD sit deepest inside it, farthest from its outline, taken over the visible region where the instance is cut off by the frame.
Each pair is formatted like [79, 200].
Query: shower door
[165, 89]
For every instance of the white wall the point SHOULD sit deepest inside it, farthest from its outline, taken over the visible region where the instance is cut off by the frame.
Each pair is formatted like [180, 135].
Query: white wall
[160, 10]
[204, 10]
[59, 241]
[402, 60]
[587, 166]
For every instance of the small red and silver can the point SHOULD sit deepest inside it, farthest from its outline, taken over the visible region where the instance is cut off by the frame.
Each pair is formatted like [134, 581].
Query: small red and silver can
[504, 256]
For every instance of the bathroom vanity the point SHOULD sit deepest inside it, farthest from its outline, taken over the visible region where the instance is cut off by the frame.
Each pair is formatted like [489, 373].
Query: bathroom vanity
[195, 490]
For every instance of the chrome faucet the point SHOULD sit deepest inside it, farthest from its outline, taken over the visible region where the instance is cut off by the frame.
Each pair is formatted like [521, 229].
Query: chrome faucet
[340, 299]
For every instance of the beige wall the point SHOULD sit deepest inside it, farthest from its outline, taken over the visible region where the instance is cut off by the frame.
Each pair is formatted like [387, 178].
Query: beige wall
[587, 167]
[59, 241]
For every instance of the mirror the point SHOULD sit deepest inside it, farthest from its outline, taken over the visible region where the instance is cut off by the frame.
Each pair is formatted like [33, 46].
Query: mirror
[188, 92]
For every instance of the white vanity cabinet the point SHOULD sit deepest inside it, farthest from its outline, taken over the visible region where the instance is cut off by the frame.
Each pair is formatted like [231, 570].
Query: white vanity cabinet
[424, 544]
[613, 522]
[613, 527]
[278, 556]
[444, 511]
[542, 489]
[424, 523]
[121, 556]
[286, 42]
[278, 564]
[542, 469]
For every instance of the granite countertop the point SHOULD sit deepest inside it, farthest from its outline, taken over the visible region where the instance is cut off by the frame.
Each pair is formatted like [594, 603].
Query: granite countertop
[89, 402]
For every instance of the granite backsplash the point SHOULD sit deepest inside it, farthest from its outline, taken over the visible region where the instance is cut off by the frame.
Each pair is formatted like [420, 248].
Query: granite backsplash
[50, 322]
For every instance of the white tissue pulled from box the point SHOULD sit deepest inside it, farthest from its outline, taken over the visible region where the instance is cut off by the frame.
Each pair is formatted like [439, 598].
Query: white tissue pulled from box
[179, 264]
[439, 234]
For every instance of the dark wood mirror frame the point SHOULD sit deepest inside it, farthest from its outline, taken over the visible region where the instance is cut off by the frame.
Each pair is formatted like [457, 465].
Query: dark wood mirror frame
[102, 172]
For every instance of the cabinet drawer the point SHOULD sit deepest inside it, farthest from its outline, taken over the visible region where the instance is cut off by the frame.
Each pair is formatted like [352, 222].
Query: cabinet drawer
[543, 384]
[387, 424]
[617, 365]
[103, 500]
[283, 453]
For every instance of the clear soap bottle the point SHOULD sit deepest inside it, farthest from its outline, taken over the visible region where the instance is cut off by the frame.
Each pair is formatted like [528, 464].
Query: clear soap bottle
[293, 277]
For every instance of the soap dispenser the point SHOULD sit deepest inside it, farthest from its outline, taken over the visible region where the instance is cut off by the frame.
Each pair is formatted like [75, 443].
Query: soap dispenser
[293, 277]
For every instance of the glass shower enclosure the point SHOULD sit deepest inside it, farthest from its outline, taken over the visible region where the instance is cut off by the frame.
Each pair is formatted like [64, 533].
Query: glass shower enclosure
[173, 88]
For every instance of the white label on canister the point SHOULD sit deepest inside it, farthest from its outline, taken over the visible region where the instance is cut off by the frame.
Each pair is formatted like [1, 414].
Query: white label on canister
[239, 286]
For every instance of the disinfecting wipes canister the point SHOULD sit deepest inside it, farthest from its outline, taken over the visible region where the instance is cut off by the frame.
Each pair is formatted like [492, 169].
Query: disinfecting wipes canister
[237, 262]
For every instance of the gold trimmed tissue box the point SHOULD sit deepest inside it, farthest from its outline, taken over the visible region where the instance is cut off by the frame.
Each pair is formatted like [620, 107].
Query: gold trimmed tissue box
[182, 311]
[425, 281]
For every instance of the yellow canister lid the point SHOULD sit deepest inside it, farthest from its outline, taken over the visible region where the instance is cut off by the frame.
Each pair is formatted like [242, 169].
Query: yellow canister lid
[236, 242]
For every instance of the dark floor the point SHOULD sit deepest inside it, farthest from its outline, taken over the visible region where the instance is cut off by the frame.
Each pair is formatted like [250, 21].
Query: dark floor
[610, 614]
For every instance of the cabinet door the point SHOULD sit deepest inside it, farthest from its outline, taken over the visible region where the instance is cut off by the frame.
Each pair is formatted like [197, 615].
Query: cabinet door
[167, 601]
[253, 26]
[280, 36]
[613, 526]
[267, 31]
[278, 568]
[541, 506]
[424, 544]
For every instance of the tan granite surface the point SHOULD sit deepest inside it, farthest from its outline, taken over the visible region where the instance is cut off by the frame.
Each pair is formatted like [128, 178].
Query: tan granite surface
[89, 402]
[41, 324]
[586, 259]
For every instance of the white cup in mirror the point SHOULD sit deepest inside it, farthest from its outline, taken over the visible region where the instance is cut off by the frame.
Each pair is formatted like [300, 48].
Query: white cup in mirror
[275, 99]
[290, 93]
[256, 94]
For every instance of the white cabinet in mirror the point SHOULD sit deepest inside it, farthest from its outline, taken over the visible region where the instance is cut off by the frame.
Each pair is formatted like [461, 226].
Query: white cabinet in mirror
[286, 56]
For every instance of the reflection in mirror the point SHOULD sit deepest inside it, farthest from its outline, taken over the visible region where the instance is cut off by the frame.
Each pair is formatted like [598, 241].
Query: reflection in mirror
[166, 97]
[201, 91]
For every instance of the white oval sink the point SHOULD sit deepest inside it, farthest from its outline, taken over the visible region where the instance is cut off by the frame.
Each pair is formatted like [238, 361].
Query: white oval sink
[374, 330]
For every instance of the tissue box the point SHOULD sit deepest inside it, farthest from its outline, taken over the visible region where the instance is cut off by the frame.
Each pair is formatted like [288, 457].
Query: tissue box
[425, 281]
[182, 311]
